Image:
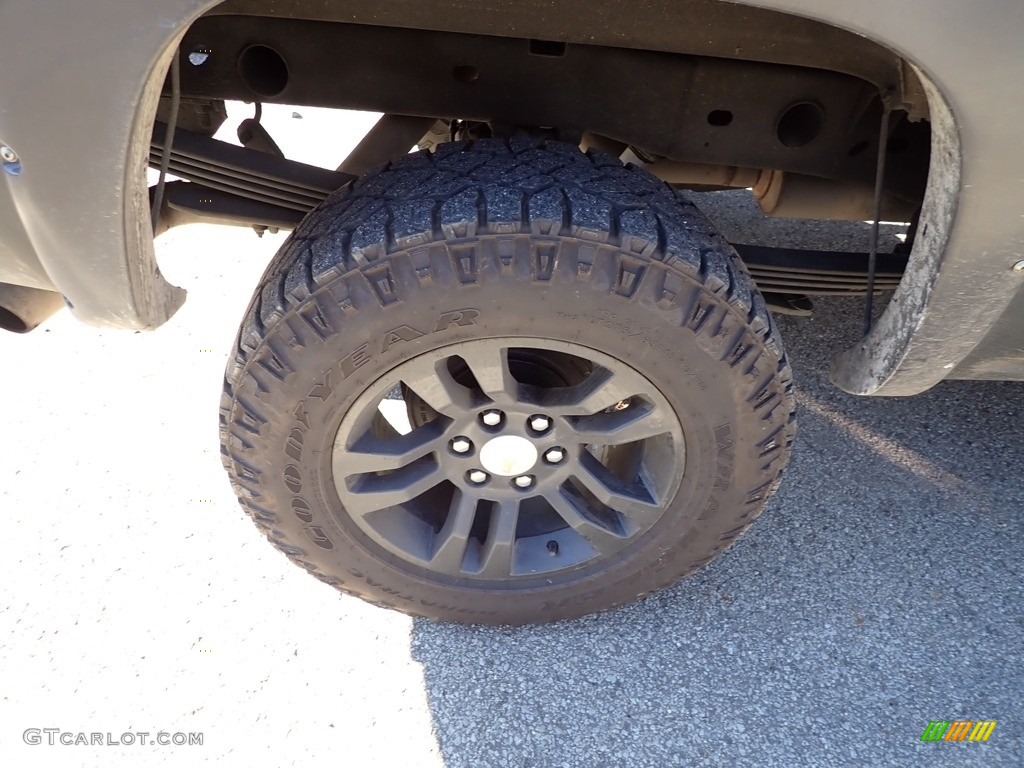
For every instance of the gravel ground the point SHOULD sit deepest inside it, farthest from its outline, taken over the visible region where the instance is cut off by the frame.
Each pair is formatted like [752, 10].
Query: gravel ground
[881, 589]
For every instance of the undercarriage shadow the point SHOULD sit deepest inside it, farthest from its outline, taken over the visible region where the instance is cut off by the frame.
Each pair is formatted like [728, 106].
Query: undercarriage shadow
[881, 588]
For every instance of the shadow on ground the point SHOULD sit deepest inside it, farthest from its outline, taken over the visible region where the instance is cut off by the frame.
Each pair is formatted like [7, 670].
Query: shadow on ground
[881, 589]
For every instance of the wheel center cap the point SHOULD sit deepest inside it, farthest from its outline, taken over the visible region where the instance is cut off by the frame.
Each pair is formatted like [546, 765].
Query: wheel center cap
[508, 455]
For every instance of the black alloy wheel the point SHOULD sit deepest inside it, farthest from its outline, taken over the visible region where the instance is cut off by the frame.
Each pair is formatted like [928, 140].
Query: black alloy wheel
[520, 471]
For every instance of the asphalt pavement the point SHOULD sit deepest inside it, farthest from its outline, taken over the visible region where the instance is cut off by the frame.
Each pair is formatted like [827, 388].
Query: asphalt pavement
[880, 589]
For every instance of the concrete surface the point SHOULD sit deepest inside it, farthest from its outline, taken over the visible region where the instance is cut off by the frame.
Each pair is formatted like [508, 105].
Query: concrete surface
[881, 589]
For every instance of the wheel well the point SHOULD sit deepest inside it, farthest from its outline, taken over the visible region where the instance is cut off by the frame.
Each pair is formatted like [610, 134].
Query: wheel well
[702, 88]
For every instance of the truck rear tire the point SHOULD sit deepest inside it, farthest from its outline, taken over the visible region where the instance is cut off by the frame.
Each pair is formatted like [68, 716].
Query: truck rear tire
[503, 383]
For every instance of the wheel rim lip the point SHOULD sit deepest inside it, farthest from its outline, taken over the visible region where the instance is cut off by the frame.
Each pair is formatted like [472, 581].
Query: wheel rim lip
[377, 390]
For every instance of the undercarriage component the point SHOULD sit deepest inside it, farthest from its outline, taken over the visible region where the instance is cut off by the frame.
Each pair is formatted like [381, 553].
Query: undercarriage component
[233, 185]
[699, 27]
[22, 309]
[797, 196]
[792, 304]
[787, 195]
[189, 203]
[253, 135]
[699, 109]
[391, 137]
[776, 270]
[246, 173]
[204, 116]
[683, 174]
[819, 273]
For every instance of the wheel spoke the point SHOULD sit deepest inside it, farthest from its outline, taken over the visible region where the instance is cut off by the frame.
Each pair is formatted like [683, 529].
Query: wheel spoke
[602, 389]
[372, 492]
[451, 540]
[639, 421]
[602, 539]
[434, 384]
[489, 364]
[632, 502]
[499, 548]
[372, 454]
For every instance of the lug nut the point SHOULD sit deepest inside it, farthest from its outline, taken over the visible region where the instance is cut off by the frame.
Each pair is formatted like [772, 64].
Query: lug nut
[524, 481]
[477, 476]
[540, 423]
[461, 445]
[491, 418]
[554, 455]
